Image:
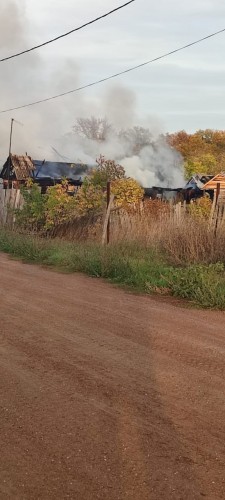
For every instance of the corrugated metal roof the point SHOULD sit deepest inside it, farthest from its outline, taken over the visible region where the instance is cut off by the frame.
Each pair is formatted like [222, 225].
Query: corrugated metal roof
[218, 179]
[22, 166]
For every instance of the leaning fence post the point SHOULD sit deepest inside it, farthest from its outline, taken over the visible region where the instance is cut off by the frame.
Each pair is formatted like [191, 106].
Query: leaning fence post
[108, 204]
[217, 207]
[106, 226]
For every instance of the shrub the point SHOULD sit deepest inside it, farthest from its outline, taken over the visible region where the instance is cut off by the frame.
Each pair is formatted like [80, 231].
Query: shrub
[59, 206]
[126, 192]
[201, 209]
[89, 198]
[32, 215]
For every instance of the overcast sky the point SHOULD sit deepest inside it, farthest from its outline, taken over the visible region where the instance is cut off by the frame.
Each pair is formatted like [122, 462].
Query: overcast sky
[183, 91]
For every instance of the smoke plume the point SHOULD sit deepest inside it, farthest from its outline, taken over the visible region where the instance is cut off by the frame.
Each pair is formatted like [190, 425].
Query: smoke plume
[47, 131]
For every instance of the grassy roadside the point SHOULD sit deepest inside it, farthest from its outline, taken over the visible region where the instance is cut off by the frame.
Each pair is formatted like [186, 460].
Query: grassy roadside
[132, 265]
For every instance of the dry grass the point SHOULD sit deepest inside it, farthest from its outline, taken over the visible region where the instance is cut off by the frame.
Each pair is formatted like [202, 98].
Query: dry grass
[183, 238]
[86, 228]
[188, 241]
[193, 242]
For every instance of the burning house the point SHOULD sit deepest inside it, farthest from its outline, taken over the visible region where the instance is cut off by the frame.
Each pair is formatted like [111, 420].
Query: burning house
[193, 189]
[49, 173]
[18, 169]
[163, 193]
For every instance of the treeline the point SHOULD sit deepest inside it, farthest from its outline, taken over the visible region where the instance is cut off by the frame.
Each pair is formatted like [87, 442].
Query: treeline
[203, 151]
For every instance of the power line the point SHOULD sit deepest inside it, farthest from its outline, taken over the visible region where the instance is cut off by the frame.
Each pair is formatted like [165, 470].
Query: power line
[68, 32]
[115, 75]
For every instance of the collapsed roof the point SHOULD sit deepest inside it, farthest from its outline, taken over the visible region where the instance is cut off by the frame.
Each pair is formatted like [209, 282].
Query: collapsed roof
[20, 166]
[58, 170]
[197, 181]
[23, 167]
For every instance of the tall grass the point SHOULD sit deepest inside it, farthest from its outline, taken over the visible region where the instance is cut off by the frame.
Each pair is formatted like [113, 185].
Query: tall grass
[151, 250]
[188, 240]
[138, 265]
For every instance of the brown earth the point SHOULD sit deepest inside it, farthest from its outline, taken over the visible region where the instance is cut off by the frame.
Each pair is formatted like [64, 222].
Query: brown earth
[107, 395]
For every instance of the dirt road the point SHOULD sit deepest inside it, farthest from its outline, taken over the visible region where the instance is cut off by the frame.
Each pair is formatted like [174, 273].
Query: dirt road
[107, 395]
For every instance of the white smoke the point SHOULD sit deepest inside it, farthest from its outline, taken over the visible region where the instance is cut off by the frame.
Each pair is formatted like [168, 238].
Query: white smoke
[156, 165]
[46, 132]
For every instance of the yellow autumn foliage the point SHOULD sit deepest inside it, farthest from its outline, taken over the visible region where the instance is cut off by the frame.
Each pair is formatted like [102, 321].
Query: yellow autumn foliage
[201, 208]
[89, 197]
[126, 192]
[92, 194]
[60, 206]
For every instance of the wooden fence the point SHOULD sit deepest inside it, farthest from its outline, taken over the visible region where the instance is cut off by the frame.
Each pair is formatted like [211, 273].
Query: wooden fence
[10, 200]
[217, 216]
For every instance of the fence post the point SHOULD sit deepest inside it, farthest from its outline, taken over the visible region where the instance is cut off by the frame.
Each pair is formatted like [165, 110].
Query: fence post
[217, 191]
[108, 203]
[106, 227]
[217, 208]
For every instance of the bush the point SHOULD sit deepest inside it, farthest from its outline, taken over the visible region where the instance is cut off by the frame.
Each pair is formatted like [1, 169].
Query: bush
[32, 215]
[127, 192]
[59, 206]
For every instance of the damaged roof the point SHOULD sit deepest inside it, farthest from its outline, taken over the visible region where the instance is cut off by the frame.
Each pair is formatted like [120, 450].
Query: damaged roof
[58, 170]
[197, 181]
[22, 166]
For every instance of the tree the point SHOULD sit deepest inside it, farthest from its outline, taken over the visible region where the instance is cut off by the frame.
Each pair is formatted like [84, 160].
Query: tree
[106, 170]
[92, 194]
[203, 151]
[136, 138]
[95, 129]
[207, 164]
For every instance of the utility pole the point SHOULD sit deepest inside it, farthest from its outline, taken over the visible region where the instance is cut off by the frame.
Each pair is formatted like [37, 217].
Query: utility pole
[10, 149]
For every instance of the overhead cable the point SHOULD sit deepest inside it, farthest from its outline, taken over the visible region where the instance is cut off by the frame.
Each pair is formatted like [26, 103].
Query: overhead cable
[112, 76]
[67, 33]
